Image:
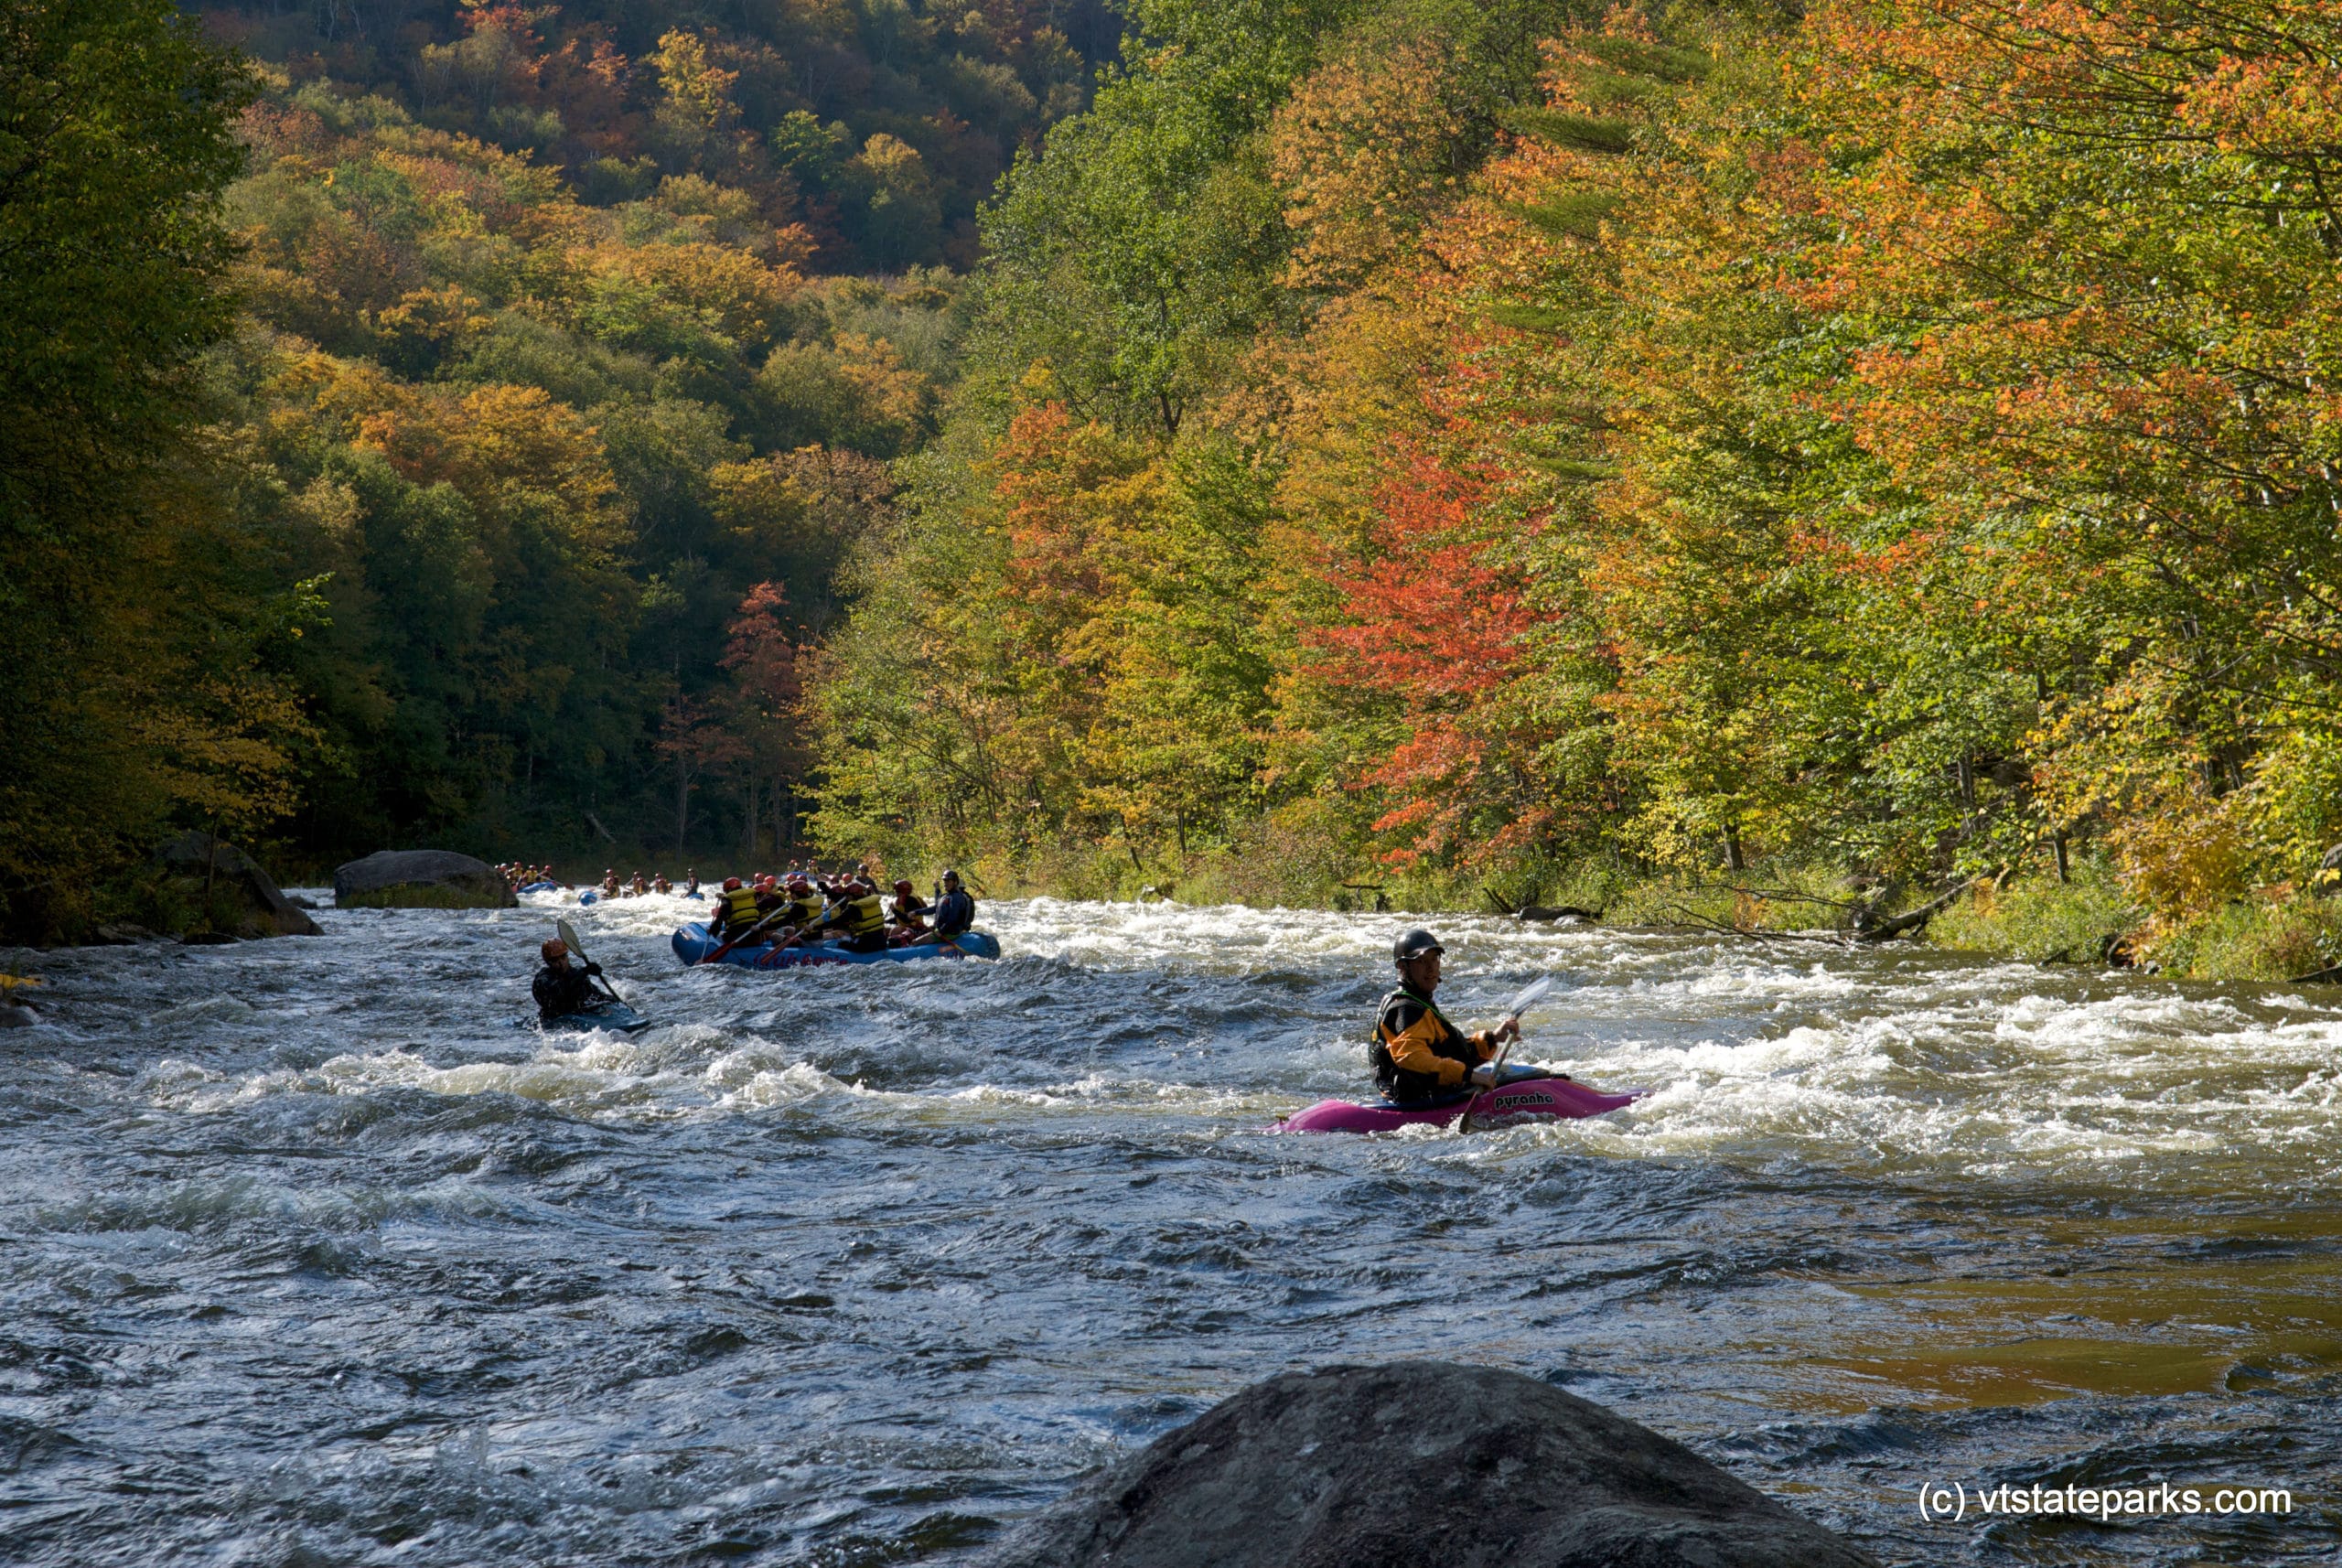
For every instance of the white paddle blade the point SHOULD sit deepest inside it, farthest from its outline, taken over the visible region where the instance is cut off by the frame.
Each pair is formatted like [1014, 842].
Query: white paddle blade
[1530, 994]
[569, 936]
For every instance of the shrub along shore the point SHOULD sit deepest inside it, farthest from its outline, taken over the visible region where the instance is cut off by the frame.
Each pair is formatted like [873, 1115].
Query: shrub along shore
[2088, 920]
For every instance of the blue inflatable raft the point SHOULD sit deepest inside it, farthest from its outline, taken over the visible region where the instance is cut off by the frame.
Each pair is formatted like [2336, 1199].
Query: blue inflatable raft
[540, 887]
[692, 944]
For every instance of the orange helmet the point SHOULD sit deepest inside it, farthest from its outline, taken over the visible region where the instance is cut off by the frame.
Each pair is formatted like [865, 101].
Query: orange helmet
[553, 948]
[731, 884]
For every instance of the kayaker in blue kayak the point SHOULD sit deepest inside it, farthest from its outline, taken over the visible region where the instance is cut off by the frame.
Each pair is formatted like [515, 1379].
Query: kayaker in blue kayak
[954, 913]
[1419, 1058]
[563, 989]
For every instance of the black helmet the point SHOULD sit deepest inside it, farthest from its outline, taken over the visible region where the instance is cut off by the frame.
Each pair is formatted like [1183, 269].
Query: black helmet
[1417, 943]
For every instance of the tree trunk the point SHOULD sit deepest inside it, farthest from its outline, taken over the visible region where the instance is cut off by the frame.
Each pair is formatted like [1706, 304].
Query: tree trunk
[2057, 846]
[682, 801]
[748, 850]
[1887, 930]
[1733, 860]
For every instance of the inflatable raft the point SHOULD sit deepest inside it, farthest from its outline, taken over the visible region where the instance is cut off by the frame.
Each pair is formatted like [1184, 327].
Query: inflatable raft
[692, 944]
[1530, 1097]
[540, 887]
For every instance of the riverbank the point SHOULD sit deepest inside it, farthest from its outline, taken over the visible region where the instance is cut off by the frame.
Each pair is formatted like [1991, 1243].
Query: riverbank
[2090, 919]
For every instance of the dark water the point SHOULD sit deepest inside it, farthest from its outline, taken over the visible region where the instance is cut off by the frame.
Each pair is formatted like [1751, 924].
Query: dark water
[309, 1257]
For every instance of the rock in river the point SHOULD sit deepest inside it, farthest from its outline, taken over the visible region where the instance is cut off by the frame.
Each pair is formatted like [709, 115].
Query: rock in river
[221, 892]
[1417, 1463]
[420, 879]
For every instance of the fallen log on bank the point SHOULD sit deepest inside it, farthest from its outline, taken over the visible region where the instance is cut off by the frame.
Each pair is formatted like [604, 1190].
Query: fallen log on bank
[1541, 913]
[1916, 920]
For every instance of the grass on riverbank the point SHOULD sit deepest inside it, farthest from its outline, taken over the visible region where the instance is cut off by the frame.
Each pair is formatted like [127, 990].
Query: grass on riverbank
[2274, 934]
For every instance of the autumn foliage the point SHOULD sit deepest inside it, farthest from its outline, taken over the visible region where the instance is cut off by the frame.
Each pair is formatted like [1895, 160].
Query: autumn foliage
[1903, 439]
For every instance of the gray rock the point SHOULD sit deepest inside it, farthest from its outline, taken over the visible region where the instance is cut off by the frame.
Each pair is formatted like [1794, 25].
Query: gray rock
[2328, 880]
[125, 933]
[18, 1016]
[204, 866]
[1417, 1463]
[420, 879]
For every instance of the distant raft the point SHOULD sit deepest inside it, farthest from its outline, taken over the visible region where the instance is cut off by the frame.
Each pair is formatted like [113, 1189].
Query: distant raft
[540, 887]
[692, 945]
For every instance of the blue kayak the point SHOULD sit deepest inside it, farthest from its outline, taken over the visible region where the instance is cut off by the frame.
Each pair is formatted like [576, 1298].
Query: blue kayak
[540, 887]
[692, 944]
[589, 897]
[615, 1016]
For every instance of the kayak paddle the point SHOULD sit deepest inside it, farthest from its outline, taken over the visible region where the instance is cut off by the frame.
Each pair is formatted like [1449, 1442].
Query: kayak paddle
[1530, 994]
[1528, 998]
[569, 940]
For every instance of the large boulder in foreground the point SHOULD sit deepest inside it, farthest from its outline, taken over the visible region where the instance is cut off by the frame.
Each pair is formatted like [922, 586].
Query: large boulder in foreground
[216, 891]
[1418, 1463]
[420, 879]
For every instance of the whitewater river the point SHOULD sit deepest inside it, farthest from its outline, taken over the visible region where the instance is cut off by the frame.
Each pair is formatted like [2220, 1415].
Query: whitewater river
[310, 1256]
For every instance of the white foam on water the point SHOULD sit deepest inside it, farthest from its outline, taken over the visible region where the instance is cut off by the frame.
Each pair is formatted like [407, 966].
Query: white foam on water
[214, 1203]
[1856, 1057]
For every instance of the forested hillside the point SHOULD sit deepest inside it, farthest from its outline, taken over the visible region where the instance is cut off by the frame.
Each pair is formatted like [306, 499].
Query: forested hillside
[436, 422]
[1371, 445]
[1453, 442]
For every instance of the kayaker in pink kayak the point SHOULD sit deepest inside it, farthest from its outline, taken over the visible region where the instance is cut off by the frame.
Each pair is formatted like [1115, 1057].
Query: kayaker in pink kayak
[1420, 1058]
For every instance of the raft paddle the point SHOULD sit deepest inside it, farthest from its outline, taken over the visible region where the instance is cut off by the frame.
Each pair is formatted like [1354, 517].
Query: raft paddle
[751, 931]
[569, 940]
[1521, 1004]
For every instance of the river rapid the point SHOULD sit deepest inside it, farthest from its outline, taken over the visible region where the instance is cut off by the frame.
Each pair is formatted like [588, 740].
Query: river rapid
[309, 1255]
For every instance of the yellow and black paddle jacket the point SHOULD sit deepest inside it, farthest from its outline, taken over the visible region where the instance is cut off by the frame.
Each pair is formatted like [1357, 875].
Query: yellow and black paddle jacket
[862, 915]
[737, 910]
[1416, 1053]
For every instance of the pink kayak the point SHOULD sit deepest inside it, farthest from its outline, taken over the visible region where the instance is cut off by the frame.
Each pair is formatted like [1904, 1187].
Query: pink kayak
[1557, 1096]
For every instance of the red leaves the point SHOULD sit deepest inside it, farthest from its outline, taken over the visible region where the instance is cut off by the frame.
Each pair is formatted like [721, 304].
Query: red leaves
[762, 654]
[1436, 621]
[1431, 618]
